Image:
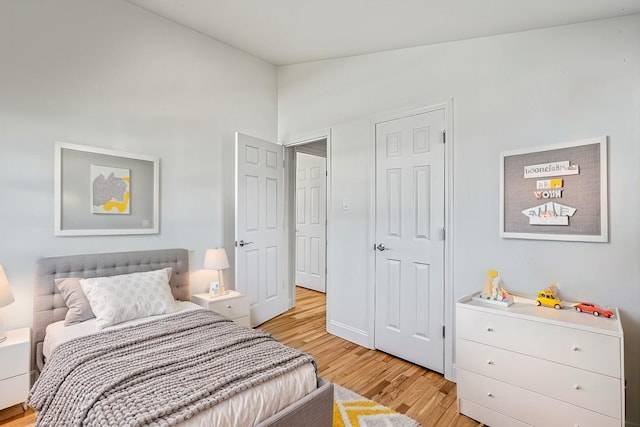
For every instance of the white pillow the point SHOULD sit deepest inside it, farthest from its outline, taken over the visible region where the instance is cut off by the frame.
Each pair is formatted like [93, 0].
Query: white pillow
[116, 299]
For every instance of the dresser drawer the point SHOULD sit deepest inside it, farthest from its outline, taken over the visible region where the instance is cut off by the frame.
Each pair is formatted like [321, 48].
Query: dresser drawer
[14, 390]
[587, 389]
[231, 307]
[489, 417]
[570, 346]
[14, 353]
[14, 360]
[526, 406]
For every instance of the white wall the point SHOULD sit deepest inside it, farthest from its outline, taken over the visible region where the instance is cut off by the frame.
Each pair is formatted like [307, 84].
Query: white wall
[512, 91]
[109, 74]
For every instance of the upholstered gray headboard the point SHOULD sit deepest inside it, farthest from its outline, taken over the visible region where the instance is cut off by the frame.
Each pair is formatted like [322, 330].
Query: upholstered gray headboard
[48, 305]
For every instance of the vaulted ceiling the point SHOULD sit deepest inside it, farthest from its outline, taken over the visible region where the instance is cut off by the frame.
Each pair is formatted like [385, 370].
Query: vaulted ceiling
[292, 31]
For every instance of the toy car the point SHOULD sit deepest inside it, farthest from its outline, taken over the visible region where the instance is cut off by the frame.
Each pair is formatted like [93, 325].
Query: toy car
[549, 297]
[588, 307]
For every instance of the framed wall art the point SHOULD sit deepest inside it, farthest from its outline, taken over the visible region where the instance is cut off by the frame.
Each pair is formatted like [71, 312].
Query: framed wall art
[555, 192]
[105, 192]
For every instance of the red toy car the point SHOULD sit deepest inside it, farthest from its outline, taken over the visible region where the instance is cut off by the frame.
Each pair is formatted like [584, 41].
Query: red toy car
[588, 307]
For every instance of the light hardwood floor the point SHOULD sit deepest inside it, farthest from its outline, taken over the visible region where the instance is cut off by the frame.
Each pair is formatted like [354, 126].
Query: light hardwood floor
[421, 394]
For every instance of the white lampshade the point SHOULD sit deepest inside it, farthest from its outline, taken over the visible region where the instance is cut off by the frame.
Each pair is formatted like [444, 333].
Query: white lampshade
[216, 259]
[6, 296]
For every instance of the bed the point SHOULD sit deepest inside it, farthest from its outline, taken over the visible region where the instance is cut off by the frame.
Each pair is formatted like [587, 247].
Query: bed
[309, 405]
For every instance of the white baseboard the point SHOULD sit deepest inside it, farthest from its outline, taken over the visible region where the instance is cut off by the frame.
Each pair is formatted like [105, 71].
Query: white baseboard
[454, 374]
[349, 333]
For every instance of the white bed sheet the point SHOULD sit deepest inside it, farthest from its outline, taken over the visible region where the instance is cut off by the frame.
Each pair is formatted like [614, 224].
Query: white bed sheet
[244, 409]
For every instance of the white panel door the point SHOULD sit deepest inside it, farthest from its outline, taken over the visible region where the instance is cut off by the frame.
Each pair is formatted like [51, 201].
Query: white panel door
[409, 302]
[260, 226]
[311, 214]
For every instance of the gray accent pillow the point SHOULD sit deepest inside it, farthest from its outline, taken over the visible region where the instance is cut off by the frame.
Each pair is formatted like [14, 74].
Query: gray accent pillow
[75, 299]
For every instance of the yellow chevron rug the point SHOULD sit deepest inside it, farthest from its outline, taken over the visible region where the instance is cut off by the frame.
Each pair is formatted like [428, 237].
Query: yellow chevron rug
[352, 410]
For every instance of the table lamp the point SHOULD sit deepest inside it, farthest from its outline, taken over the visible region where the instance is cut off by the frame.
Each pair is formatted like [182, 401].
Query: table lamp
[6, 298]
[216, 259]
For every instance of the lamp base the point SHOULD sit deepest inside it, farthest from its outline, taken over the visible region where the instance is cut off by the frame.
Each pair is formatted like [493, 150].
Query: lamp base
[223, 291]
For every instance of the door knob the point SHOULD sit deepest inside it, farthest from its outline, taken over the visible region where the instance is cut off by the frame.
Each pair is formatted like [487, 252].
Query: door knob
[242, 243]
[382, 248]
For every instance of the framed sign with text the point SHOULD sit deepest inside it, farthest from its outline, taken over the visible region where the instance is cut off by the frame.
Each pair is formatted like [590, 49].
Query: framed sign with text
[555, 192]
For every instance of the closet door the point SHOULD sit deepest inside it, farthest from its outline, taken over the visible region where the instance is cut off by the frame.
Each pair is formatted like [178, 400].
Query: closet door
[410, 217]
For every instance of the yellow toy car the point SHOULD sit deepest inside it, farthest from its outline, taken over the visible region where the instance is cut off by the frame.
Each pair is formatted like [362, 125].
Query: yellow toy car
[549, 299]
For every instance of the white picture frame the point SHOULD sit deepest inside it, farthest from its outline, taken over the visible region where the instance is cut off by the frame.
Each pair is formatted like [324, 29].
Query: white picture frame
[568, 179]
[214, 288]
[74, 214]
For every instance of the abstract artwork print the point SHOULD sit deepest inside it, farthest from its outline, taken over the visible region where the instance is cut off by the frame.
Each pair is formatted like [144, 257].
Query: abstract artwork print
[110, 190]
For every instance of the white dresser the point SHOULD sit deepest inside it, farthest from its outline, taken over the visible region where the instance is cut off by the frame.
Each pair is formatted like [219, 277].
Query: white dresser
[537, 366]
[14, 367]
[233, 304]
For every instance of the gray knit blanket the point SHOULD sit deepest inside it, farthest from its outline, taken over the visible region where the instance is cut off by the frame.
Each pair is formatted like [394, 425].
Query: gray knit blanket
[158, 373]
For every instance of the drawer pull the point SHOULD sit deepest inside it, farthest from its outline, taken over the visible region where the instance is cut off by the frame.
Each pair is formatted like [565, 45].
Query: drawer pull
[489, 394]
[574, 348]
[489, 329]
[489, 362]
[228, 305]
[576, 387]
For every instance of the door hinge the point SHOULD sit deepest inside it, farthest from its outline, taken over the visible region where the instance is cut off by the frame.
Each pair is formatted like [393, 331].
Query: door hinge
[444, 136]
[443, 328]
[235, 243]
[443, 231]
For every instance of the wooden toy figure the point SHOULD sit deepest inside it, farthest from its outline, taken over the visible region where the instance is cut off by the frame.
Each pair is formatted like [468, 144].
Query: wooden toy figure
[492, 291]
[491, 288]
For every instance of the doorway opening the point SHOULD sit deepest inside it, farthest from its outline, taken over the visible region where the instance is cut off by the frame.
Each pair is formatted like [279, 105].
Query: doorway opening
[307, 166]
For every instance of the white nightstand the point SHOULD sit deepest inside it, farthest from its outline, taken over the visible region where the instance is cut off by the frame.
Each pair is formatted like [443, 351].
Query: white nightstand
[15, 357]
[233, 304]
